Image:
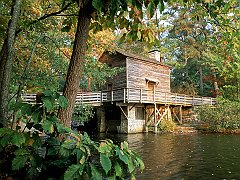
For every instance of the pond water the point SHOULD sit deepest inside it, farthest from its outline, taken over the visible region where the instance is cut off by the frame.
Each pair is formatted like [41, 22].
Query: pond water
[185, 156]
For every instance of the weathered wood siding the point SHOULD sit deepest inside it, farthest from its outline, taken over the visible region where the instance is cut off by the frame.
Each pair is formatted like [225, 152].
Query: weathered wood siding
[116, 60]
[139, 70]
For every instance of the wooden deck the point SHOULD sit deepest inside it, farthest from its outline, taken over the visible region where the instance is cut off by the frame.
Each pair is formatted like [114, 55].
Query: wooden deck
[133, 95]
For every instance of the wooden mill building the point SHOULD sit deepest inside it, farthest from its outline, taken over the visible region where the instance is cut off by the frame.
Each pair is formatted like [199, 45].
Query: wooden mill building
[140, 96]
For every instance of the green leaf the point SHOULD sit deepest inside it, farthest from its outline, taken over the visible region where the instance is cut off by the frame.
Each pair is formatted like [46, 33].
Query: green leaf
[105, 162]
[62, 102]
[140, 162]
[118, 169]
[82, 160]
[21, 152]
[36, 116]
[121, 155]
[47, 103]
[19, 162]
[139, 35]
[26, 109]
[48, 126]
[104, 148]
[151, 9]
[97, 4]
[18, 139]
[161, 6]
[95, 173]
[131, 166]
[72, 172]
[5, 131]
[53, 119]
[48, 93]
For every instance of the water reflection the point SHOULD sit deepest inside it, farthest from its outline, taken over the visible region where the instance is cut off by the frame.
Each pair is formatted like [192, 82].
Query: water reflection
[185, 156]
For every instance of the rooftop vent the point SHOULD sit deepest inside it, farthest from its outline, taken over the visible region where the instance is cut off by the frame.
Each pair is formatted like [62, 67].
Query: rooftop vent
[155, 54]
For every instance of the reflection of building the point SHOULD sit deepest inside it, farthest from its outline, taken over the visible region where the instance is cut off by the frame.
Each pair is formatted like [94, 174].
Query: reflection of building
[139, 96]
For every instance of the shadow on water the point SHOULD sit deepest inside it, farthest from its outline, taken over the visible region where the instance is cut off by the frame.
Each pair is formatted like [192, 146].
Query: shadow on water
[185, 156]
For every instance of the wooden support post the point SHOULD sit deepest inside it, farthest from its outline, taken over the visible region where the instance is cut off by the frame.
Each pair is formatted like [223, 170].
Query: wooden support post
[155, 118]
[140, 95]
[123, 112]
[180, 114]
[124, 95]
[146, 119]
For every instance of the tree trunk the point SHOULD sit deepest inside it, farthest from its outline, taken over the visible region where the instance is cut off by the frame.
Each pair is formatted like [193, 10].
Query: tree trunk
[75, 67]
[201, 80]
[215, 84]
[6, 62]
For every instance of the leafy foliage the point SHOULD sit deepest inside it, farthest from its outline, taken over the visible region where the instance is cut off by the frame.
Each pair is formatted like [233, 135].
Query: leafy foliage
[41, 147]
[225, 116]
[83, 113]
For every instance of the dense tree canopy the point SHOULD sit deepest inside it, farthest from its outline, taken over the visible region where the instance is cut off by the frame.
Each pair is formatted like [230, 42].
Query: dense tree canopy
[200, 39]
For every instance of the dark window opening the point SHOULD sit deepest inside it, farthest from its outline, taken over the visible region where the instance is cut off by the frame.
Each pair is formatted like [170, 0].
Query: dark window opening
[139, 113]
[113, 113]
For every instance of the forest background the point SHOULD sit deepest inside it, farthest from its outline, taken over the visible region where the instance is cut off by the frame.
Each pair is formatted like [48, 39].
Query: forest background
[55, 45]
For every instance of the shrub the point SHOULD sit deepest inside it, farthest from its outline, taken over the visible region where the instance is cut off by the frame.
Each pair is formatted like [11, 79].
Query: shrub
[224, 116]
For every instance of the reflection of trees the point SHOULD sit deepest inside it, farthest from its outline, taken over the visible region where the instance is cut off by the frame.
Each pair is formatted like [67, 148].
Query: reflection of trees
[167, 155]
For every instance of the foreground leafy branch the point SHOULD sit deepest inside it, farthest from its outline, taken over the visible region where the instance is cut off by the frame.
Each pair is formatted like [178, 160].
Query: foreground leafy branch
[41, 147]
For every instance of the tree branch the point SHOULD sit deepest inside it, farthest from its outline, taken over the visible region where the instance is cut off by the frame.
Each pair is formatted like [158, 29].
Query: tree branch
[46, 16]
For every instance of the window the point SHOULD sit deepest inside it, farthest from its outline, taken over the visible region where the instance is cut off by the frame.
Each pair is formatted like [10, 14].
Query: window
[139, 113]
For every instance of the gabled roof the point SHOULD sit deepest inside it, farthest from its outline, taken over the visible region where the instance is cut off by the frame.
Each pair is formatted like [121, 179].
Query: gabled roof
[131, 55]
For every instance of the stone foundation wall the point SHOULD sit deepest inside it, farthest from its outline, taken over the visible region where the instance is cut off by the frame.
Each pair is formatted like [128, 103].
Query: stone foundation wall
[126, 125]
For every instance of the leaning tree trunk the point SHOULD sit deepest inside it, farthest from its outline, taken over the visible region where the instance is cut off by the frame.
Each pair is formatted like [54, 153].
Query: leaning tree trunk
[201, 80]
[75, 67]
[6, 62]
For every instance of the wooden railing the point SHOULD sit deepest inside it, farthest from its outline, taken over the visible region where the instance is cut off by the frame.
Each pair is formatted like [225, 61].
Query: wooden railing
[133, 95]
[93, 98]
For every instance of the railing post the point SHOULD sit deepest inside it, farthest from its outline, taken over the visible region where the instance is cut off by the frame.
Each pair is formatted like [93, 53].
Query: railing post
[101, 97]
[124, 95]
[140, 95]
[111, 96]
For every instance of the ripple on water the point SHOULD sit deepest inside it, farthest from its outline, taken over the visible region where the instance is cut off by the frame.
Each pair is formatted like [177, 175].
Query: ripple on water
[186, 156]
[191, 156]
